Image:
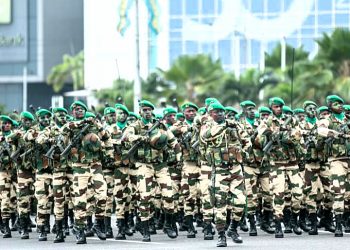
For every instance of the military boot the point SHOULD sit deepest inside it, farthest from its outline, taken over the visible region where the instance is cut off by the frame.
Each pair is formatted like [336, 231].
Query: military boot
[108, 228]
[181, 220]
[152, 226]
[47, 223]
[232, 232]
[128, 228]
[145, 231]
[313, 230]
[327, 221]
[7, 230]
[221, 239]
[80, 235]
[252, 225]
[66, 226]
[338, 226]
[88, 231]
[278, 229]
[295, 224]
[14, 222]
[121, 230]
[302, 220]
[161, 218]
[42, 233]
[131, 223]
[243, 224]
[258, 217]
[99, 228]
[59, 232]
[71, 218]
[31, 224]
[346, 220]
[168, 227]
[1, 224]
[199, 220]
[173, 223]
[287, 217]
[208, 231]
[191, 232]
[265, 223]
[24, 227]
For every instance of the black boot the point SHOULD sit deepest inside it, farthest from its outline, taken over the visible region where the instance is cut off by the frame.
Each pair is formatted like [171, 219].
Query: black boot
[191, 232]
[278, 229]
[232, 232]
[199, 220]
[208, 231]
[23, 221]
[99, 228]
[31, 224]
[346, 220]
[228, 218]
[221, 240]
[59, 232]
[327, 221]
[338, 226]
[252, 226]
[295, 224]
[168, 227]
[287, 217]
[302, 220]
[258, 217]
[121, 230]
[14, 222]
[173, 223]
[152, 226]
[145, 231]
[160, 221]
[181, 220]
[128, 229]
[47, 223]
[42, 233]
[265, 223]
[131, 223]
[243, 224]
[71, 218]
[108, 228]
[88, 231]
[66, 226]
[6, 226]
[80, 235]
[313, 230]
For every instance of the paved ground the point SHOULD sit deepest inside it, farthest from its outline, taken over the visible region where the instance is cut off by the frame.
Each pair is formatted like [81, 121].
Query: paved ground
[324, 240]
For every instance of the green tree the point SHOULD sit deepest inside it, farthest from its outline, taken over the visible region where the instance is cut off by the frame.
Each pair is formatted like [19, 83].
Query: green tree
[70, 70]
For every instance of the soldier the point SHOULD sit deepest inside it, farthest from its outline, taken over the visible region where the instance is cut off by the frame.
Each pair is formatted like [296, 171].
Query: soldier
[264, 112]
[86, 139]
[230, 112]
[227, 145]
[132, 117]
[180, 117]
[347, 111]
[336, 127]
[323, 112]
[149, 143]
[299, 114]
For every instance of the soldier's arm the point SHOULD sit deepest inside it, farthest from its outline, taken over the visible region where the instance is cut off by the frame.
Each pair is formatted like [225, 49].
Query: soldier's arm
[174, 144]
[131, 134]
[324, 131]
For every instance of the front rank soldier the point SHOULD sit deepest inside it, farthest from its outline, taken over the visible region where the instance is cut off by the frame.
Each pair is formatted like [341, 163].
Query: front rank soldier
[227, 146]
[149, 140]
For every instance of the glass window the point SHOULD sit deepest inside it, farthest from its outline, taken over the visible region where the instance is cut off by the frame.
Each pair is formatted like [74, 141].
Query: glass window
[224, 51]
[175, 7]
[255, 51]
[325, 5]
[325, 30]
[191, 47]
[175, 35]
[307, 31]
[219, 3]
[271, 46]
[341, 19]
[258, 6]
[175, 50]
[175, 23]
[192, 7]
[308, 44]
[273, 6]
[243, 51]
[310, 20]
[325, 19]
[292, 42]
[208, 48]
[208, 20]
[208, 6]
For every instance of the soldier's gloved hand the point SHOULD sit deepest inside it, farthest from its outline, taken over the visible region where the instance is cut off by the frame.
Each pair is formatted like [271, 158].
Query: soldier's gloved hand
[301, 165]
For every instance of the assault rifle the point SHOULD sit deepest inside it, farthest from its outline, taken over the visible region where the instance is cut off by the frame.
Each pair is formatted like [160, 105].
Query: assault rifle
[309, 139]
[185, 139]
[75, 140]
[56, 147]
[275, 138]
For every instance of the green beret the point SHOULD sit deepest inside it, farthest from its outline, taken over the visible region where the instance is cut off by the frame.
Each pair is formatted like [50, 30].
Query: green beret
[230, 109]
[42, 112]
[55, 110]
[78, 103]
[276, 101]
[215, 105]
[159, 116]
[210, 100]
[247, 103]
[6, 118]
[179, 115]
[256, 114]
[202, 110]
[287, 109]
[334, 98]
[346, 107]
[134, 115]
[298, 111]
[188, 105]
[108, 110]
[264, 109]
[145, 103]
[307, 103]
[322, 108]
[169, 110]
[125, 109]
[28, 115]
[89, 114]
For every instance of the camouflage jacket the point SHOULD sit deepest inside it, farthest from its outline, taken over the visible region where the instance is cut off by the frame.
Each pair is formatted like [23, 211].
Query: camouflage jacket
[119, 147]
[5, 153]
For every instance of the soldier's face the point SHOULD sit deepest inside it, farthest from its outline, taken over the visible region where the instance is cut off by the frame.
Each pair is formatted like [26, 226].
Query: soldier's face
[231, 116]
[44, 120]
[121, 115]
[26, 123]
[6, 126]
[276, 109]
[190, 113]
[78, 113]
[170, 119]
[264, 116]
[301, 117]
[249, 112]
[324, 114]
[337, 107]
[111, 118]
[61, 117]
[311, 111]
[131, 119]
[146, 113]
[218, 115]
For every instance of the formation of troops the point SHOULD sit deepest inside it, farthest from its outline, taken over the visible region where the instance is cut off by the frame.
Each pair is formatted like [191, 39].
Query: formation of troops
[213, 166]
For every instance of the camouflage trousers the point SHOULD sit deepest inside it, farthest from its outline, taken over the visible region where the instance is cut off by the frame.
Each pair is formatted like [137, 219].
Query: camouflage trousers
[229, 181]
[280, 176]
[134, 193]
[43, 193]
[59, 180]
[7, 187]
[68, 191]
[122, 190]
[190, 186]
[148, 174]
[340, 178]
[25, 180]
[85, 174]
[317, 179]
[109, 178]
[175, 175]
[204, 183]
[257, 183]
